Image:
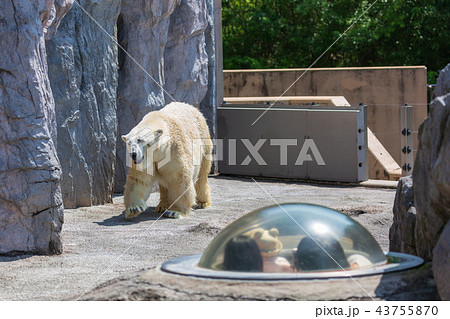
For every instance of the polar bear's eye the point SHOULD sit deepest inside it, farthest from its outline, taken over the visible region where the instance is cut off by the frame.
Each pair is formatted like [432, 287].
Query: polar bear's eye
[139, 140]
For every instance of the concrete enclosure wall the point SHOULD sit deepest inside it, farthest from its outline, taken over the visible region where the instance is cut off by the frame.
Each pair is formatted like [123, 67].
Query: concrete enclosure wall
[382, 89]
[298, 147]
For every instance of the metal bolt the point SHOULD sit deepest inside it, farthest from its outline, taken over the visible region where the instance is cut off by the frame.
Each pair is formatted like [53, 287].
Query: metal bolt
[406, 150]
[406, 131]
[407, 167]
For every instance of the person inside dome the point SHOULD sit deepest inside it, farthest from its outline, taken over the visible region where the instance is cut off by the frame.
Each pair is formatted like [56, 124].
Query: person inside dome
[242, 254]
[319, 254]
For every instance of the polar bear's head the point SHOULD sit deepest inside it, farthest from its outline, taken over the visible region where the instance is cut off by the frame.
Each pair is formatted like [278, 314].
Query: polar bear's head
[139, 140]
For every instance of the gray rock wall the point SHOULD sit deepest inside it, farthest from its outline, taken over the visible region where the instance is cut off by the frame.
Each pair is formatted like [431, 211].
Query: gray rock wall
[432, 176]
[96, 94]
[185, 57]
[214, 94]
[426, 232]
[430, 183]
[82, 62]
[441, 262]
[31, 210]
[432, 191]
[402, 232]
[100, 95]
[171, 40]
[54, 16]
[443, 82]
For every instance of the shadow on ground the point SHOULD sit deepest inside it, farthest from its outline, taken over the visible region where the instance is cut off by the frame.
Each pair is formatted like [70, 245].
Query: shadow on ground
[120, 220]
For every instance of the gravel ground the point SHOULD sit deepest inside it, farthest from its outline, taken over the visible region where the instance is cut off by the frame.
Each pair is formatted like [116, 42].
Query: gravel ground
[99, 244]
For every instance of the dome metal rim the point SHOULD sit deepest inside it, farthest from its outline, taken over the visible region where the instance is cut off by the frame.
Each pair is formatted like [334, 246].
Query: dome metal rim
[187, 266]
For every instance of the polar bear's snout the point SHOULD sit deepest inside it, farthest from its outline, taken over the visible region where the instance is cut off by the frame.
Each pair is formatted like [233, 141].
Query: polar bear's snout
[137, 153]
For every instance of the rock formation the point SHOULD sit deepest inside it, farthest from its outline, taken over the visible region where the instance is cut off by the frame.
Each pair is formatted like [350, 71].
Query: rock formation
[431, 176]
[185, 57]
[60, 121]
[170, 56]
[402, 232]
[443, 83]
[430, 187]
[170, 41]
[55, 15]
[214, 94]
[82, 62]
[441, 262]
[31, 211]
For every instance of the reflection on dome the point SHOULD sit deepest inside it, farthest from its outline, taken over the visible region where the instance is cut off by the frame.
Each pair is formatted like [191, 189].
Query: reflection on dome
[320, 228]
[294, 238]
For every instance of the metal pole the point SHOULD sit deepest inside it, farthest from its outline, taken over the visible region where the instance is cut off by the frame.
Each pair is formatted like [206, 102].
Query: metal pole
[363, 148]
[407, 158]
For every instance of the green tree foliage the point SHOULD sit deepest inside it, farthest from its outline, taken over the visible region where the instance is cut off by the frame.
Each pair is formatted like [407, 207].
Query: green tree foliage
[294, 33]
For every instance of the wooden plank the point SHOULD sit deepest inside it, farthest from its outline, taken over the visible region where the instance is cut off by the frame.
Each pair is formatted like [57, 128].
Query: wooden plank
[290, 100]
[382, 156]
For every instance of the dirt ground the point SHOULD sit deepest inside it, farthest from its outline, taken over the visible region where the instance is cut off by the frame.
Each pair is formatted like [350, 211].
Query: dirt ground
[99, 244]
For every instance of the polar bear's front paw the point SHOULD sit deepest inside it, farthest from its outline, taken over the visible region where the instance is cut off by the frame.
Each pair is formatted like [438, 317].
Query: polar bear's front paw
[161, 208]
[201, 205]
[135, 210]
[171, 214]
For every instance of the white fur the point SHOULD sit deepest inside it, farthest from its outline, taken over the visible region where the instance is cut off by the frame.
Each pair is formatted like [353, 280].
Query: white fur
[181, 130]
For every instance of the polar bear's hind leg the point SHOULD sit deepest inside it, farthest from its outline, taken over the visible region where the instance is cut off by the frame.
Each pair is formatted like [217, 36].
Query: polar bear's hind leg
[201, 186]
[182, 195]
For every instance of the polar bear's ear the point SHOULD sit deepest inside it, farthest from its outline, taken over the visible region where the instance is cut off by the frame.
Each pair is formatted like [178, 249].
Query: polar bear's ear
[124, 138]
[158, 132]
[258, 234]
[274, 232]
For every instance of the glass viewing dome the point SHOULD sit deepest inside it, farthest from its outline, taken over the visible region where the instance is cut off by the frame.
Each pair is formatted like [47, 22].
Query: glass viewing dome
[293, 237]
[292, 241]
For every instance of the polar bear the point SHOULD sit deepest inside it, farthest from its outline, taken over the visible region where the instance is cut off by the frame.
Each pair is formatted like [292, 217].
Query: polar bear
[173, 147]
